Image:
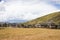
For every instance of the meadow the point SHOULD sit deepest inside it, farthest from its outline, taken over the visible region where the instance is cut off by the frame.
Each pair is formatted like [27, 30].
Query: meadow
[29, 34]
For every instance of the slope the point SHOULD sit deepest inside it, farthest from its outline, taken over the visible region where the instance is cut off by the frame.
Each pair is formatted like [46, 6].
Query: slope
[53, 16]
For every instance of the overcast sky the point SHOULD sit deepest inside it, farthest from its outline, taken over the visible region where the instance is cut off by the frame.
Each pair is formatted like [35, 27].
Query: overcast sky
[27, 9]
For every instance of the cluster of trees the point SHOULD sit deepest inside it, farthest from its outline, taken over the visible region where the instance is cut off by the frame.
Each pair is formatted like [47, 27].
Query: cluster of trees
[48, 25]
[38, 25]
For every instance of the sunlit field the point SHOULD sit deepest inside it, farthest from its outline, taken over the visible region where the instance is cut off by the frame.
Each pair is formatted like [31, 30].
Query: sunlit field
[29, 34]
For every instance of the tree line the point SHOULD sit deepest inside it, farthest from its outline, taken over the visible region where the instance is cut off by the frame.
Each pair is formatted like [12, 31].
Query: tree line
[51, 25]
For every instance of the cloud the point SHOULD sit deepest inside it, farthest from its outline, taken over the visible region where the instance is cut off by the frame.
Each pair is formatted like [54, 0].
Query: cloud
[55, 3]
[26, 10]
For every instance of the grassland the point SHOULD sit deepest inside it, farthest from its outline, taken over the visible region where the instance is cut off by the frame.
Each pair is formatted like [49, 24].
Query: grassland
[29, 34]
[52, 16]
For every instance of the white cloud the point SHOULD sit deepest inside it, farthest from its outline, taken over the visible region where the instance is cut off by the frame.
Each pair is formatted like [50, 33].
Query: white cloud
[26, 10]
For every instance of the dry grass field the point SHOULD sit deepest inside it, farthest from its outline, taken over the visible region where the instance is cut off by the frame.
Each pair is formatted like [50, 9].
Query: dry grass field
[29, 34]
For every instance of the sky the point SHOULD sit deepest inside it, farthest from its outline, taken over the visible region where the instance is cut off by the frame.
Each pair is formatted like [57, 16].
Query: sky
[27, 9]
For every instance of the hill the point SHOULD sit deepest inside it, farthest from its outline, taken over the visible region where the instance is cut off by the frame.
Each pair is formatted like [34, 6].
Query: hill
[50, 17]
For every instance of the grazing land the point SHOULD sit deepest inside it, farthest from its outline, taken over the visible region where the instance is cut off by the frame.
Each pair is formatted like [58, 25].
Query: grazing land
[29, 34]
[55, 17]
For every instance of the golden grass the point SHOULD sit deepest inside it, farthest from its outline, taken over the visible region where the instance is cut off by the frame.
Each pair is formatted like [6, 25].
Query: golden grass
[29, 34]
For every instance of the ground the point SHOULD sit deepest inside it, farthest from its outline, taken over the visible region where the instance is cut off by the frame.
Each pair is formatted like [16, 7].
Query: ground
[29, 34]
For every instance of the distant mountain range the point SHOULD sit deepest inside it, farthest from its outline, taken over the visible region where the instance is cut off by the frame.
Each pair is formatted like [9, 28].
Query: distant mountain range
[50, 17]
[16, 21]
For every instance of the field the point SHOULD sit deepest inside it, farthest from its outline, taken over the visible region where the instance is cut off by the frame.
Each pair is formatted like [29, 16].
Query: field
[29, 34]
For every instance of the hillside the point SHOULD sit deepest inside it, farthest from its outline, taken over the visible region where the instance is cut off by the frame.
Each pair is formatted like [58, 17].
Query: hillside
[53, 16]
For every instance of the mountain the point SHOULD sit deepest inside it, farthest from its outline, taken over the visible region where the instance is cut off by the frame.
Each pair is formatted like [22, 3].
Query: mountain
[16, 21]
[50, 17]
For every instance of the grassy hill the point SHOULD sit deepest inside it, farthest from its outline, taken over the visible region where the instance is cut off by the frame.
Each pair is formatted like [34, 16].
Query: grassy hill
[53, 16]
